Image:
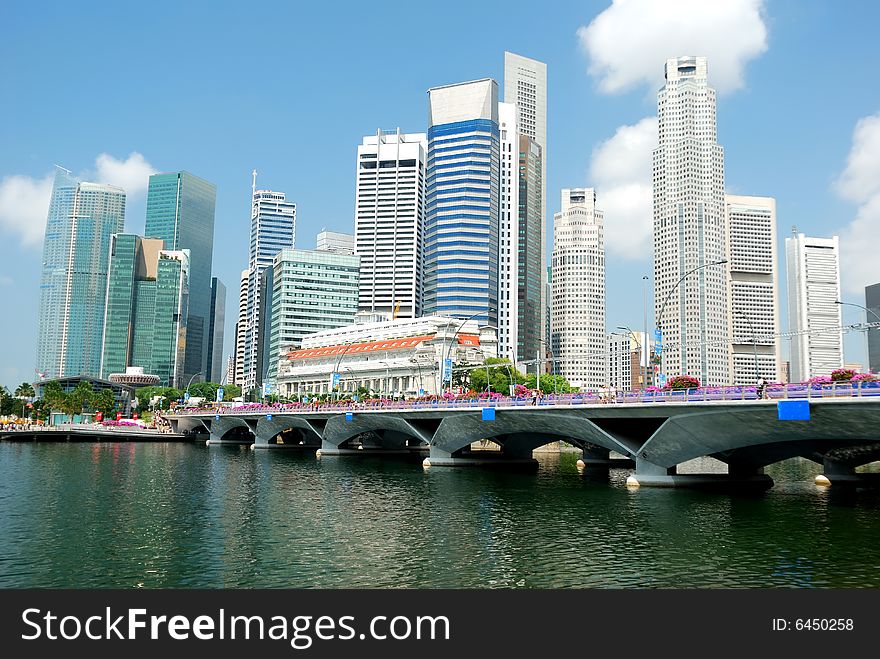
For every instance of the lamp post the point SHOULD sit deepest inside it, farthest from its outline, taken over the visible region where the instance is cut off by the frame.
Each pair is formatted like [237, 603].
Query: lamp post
[552, 367]
[338, 361]
[415, 361]
[387, 383]
[195, 375]
[645, 280]
[641, 353]
[754, 342]
[659, 319]
[867, 311]
[452, 340]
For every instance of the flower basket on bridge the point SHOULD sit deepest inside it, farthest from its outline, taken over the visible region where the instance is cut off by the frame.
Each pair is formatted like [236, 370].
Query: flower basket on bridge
[683, 382]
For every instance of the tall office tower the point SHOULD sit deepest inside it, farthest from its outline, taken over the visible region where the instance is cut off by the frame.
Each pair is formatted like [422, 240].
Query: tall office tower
[531, 270]
[753, 293]
[216, 330]
[229, 376]
[689, 227]
[461, 228]
[508, 233]
[180, 211]
[82, 217]
[525, 85]
[240, 326]
[813, 268]
[389, 222]
[333, 241]
[872, 302]
[147, 295]
[266, 283]
[273, 228]
[577, 320]
[312, 290]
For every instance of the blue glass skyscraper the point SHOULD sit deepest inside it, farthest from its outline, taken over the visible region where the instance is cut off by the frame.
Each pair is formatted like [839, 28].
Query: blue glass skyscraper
[462, 225]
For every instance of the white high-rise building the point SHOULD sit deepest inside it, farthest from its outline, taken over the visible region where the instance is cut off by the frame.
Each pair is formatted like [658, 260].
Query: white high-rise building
[334, 241]
[525, 85]
[577, 319]
[240, 327]
[508, 235]
[628, 369]
[813, 268]
[753, 292]
[390, 222]
[273, 228]
[689, 227]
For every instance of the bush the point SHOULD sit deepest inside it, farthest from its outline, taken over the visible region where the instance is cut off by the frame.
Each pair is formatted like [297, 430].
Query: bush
[842, 374]
[865, 377]
[683, 382]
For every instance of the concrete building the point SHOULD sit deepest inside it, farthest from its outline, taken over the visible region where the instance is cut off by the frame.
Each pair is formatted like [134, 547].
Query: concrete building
[753, 293]
[577, 322]
[525, 85]
[399, 357]
[531, 271]
[312, 291]
[872, 302]
[334, 241]
[628, 368]
[390, 222]
[216, 331]
[147, 302]
[813, 266]
[244, 282]
[461, 232]
[689, 227]
[508, 232]
[180, 211]
[73, 284]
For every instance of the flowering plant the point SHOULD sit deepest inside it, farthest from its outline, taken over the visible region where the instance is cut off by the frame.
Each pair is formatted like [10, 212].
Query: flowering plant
[842, 374]
[683, 382]
[865, 377]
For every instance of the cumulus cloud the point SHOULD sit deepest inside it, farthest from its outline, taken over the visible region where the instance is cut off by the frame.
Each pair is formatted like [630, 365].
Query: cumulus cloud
[628, 42]
[620, 170]
[860, 183]
[24, 200]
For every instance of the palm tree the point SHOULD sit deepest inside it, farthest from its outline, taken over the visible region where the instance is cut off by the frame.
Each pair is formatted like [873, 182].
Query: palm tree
[23, 391]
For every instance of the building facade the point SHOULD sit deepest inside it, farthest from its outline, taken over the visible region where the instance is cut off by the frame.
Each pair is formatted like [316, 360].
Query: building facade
[312, 291]
[461, 230]
[691, 307]
[508, 234]
[872, 302]
[73, 284]
[334, 241]
[390, 222]
[393, 358]
[216, 331]
[577, 321]
[753, 293]
[180, 211]
[530, 266]
[147, 297]
[813, 269]
[628, 363]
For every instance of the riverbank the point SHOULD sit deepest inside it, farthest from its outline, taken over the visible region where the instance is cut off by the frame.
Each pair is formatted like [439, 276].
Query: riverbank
[91, 433]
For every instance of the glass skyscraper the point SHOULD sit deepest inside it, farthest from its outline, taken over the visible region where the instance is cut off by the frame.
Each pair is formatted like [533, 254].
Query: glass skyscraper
[180, 211]
[215, 331]
[147, 299]
[462, 225]
[82, 217]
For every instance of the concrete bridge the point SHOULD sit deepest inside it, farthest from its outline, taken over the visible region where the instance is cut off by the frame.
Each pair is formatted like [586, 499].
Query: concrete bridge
[747, 435]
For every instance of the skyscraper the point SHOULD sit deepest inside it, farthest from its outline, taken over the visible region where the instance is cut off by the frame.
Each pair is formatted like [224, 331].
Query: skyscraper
[872, 302]
[461, 230]
[240, 327]
[525, 85]
[216, 331]
[180, 211]
[147, 299]
[390, 222]
[531, 271]
[508, 232]
[334, 241]
[754, 289]
[577, 321]
[689, 227]
[73, 286]
[273, 228]
[813, 269]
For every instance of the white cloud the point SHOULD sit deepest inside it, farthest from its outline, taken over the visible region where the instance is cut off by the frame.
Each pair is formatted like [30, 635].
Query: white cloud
[24, 200]
[24, 203]
[620, 170]
[132, 174]
[629, 42]
[860, 183]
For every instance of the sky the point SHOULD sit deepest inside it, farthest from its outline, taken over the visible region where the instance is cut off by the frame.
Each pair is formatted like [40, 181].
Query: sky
[116, 91]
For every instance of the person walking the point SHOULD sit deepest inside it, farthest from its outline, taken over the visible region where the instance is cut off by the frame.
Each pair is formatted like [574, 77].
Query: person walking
[762, 388]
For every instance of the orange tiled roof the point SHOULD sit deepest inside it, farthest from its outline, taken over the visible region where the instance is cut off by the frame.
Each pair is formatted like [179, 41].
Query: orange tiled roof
[376, 346]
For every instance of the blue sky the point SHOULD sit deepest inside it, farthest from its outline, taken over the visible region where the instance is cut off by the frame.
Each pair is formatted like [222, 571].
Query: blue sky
[290, 88]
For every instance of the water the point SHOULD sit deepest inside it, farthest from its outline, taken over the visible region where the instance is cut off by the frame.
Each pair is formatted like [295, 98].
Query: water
[185, 515]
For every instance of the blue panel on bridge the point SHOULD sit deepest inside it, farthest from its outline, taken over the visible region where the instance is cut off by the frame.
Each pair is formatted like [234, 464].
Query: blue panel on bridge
[349, 416]
[268, 417]
[793, 410]
[488, 414]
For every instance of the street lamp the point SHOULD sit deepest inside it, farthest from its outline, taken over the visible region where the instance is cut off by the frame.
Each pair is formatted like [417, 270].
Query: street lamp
[552, 367]
[642, 354]
[754, 341]
[195, 375]
[452, 340]
[867, 310]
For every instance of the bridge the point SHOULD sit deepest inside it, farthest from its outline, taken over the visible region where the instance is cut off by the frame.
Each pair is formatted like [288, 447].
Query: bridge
[839, 430]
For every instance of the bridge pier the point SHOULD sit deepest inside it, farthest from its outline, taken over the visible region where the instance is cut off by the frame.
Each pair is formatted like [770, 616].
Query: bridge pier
[837, 473]
[600, 458]
[507, 457]
[648, 474]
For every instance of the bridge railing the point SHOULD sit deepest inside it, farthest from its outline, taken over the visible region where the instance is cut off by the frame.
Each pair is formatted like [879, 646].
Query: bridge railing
[703, 394]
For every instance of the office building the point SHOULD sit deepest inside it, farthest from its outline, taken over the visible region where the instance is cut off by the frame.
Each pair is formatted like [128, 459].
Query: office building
[813, 270]
[530, 268]
[333, 241]
[180, 211]
[689, 227]
[243, 284]
[216, 330]
[461, 230]
[872, 302]
[577, 321]
[508, 233]
[312, 291]
[147, 293]
[73, 285]
[628, 366]
[390, 222]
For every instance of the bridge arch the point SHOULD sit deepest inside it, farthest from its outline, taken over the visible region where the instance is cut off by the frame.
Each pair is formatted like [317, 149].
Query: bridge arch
[392, 432]
[286, 431]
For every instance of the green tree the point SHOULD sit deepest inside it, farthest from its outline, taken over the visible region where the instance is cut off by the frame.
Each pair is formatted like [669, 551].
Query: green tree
[78, 400]
[231, 391]
[206, 390]
[104, 402]
[24, 391]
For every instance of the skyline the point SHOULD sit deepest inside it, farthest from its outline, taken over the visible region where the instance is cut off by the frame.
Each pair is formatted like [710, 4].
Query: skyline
[768, 157]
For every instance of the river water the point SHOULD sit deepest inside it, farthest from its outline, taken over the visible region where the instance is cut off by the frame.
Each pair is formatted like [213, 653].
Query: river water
[173, 515]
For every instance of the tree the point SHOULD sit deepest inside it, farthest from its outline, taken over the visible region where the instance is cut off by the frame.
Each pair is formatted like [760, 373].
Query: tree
[53, 395]
[24, 391]
[105, 402]
[231, 391]
[79, 399]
